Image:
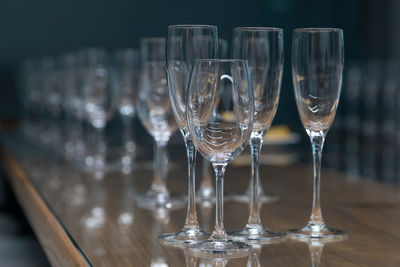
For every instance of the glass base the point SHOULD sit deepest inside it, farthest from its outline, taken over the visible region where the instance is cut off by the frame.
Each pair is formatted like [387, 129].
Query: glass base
[257, 236]
[317, 231]
[183, 237]
[246, 198]
[219, 249]
[151, 201]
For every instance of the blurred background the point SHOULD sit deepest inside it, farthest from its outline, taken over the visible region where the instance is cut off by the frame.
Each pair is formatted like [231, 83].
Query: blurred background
[30, 29]
[364, 139]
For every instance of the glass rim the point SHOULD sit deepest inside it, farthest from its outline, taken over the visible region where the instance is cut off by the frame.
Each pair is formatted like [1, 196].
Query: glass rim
[191, 26]
[221, 60]
[258, 29]
[313, 30]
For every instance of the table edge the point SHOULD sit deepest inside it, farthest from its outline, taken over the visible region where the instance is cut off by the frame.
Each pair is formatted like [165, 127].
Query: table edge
[57, 245]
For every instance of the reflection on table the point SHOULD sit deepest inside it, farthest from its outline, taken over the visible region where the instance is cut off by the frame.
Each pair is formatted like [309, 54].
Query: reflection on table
[100, 212]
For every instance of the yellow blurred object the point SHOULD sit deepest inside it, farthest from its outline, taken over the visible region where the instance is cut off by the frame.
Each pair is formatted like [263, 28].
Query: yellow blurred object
[228, 115]
[282, 159]
[281, 134]
[278, 130]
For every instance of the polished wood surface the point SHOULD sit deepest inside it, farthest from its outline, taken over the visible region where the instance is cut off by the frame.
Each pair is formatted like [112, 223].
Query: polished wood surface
[48, 189]
[55, 241]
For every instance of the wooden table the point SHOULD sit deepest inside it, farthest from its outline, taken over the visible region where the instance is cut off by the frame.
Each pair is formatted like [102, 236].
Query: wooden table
[58, 200]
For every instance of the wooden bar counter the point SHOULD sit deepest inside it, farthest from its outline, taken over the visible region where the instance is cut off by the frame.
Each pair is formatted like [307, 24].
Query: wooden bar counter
[87, 219]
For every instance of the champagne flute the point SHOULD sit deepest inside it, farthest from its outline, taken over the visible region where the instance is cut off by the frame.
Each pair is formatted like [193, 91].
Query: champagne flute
[263, 48]
[74, 114]
[127, 76]
[317, 66]
[155, 113]
[98, 97]
[220, 110]
[184, 44]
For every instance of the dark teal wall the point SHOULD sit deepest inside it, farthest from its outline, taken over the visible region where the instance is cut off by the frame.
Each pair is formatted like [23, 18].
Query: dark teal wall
[30, 28]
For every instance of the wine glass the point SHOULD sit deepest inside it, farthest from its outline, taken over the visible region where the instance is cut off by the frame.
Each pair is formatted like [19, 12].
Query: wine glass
[155, 113]
[263, 48]
[74, 146]
[220, 110]
[184, 44]
[206, 192]
[98, 96]
[47, 67]
[317, 66]
[126, 79]
[34, 97]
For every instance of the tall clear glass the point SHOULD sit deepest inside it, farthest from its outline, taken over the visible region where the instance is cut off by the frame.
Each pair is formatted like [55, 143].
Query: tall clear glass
[219, 112]
[263, 49]
[73, 108]
[184, 44]
[317, 66]
[155, 113]
[126, 81]
[98, 96]
[30, 82]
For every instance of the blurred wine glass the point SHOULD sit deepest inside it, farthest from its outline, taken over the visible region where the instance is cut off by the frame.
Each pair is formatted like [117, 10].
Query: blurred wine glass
[155, 113]
[30, 75]
[73, 106]
[126, 81]
[99, 103]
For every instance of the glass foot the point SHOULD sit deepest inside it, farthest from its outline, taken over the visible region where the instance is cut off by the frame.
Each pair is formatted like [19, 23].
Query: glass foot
[219, 248]
[257, 235]
[246, 198]
[183, 237]
[317, 231]
[151, 201]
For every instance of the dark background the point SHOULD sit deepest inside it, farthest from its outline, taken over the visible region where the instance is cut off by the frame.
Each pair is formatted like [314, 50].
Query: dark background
[36, 28]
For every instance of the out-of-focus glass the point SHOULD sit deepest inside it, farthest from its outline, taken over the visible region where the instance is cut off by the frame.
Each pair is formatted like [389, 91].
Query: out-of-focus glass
[73, 107]
[155, 113]
[99, 99]
[126, 81]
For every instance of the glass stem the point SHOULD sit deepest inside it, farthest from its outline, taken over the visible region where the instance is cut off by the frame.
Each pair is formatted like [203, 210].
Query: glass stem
[99, 147]
[127, 136]
[256, 141]
[160, 167]
[219, 231]
[191, 216]
[317, 142]
[80, 137]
